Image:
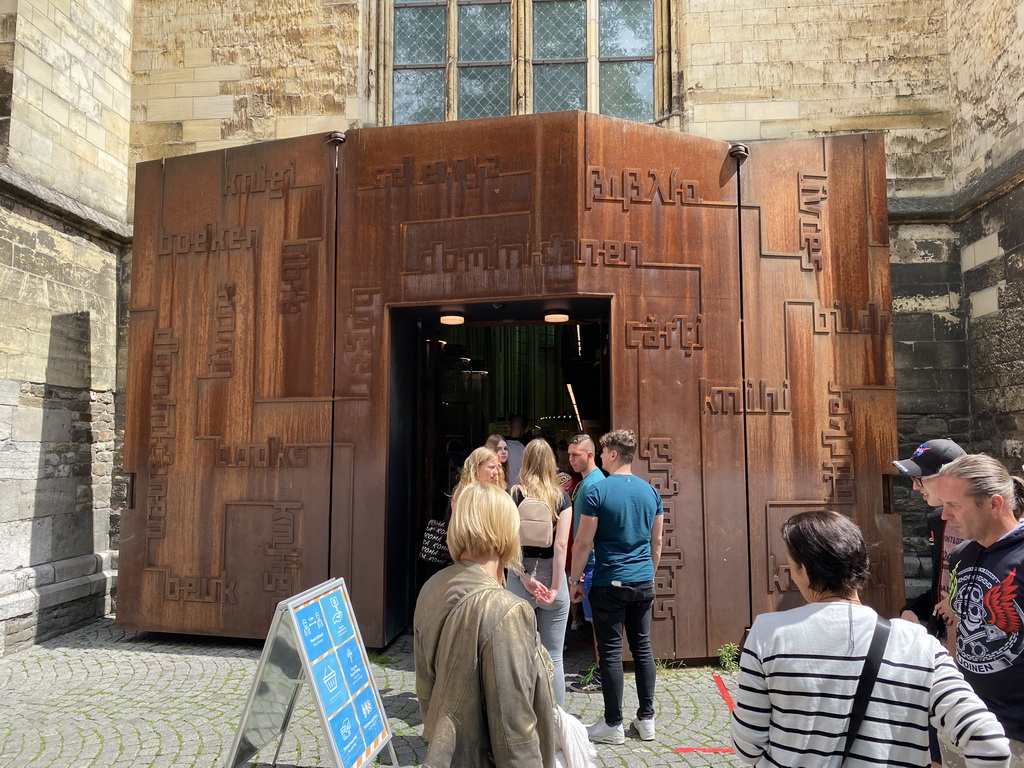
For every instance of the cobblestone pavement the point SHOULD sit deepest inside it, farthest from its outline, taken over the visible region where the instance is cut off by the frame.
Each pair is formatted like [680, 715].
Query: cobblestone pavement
[100, 696]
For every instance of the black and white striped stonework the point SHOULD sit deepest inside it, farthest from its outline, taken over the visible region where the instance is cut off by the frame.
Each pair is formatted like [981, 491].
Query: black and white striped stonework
[799, 672]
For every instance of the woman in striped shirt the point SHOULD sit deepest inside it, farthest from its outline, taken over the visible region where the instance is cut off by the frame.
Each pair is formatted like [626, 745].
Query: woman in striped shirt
[800, 670]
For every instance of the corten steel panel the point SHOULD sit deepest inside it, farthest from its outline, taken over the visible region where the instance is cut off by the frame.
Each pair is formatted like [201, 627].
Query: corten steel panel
[547, 206]
[819, 389]
[229, 387]
[430, 214]
[751, 351]
[659, 230]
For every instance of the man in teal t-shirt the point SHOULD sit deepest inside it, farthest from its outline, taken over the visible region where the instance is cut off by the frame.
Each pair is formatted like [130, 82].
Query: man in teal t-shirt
[621, 521]
[581, 451]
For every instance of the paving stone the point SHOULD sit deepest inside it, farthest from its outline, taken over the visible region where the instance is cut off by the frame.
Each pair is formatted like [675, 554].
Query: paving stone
[100, 696]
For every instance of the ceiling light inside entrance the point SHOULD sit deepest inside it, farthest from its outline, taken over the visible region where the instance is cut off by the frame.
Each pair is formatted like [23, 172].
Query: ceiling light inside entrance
[453, 318]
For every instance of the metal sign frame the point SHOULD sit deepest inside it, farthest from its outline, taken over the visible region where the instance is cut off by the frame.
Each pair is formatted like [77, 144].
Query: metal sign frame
[314, 638]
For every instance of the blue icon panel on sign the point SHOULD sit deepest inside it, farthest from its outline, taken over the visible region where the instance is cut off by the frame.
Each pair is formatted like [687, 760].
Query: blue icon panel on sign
[339, 623]
[313, 630]
[330, 682]
[352, 664]
[368, 712]
[347, 736]
[339, 672]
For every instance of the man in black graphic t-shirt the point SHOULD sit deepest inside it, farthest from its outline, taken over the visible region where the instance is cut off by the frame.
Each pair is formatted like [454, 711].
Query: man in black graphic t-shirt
[987, 585]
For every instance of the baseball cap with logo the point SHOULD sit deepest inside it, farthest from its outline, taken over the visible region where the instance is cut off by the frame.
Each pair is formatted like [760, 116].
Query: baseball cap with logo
[929, 458]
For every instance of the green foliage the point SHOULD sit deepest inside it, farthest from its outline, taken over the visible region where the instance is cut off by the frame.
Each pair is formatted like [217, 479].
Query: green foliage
[728, 657]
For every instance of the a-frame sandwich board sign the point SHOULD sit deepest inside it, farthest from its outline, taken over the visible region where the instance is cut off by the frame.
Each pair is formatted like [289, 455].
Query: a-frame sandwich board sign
[314, 638]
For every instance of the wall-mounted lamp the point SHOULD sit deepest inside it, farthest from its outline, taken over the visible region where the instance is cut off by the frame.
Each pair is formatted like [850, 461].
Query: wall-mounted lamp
[556, 316]
[453, 318]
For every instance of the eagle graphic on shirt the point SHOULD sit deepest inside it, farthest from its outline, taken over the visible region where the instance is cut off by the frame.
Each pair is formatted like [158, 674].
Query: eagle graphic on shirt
[989, 637]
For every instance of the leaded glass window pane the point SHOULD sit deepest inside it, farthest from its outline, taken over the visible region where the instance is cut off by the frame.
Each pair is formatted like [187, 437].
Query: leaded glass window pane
[626, 28]
[558, 87]
[419, 96]
[559, 30]
[627, 90]
[484, 32]
[419, 36]
[484, 92]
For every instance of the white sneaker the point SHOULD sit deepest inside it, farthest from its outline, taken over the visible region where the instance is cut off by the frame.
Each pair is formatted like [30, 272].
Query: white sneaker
[602, 733]
[645, 728]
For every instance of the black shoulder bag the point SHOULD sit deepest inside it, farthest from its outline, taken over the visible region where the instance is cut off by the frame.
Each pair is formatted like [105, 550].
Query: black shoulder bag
[868, 674]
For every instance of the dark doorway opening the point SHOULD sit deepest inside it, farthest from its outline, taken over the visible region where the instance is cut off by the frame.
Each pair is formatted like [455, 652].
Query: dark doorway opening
[453, 386]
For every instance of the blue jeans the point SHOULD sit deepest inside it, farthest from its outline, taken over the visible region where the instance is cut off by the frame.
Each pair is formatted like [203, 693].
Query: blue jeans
[616, 608]
[551, 619]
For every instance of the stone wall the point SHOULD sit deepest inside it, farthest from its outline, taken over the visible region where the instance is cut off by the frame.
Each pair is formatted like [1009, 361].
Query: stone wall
[932, 381]
[959, 370]
[65, 111]
[986, 86]
[212, 75]
[992, 258]
[69, 103]
[8, 25]
[57, 438]
[755, 70]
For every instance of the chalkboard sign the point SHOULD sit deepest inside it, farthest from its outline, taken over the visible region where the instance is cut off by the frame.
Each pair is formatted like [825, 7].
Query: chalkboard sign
[314, 638]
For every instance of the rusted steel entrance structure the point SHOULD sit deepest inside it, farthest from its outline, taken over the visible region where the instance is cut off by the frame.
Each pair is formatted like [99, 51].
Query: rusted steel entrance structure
[750, 344]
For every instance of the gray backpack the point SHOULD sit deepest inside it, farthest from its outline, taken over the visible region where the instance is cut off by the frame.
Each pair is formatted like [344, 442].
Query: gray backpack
[536, 528]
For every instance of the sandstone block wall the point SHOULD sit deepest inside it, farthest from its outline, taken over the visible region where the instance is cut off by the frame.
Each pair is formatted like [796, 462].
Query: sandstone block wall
[65, 110]
[986, 86]
[58, 302]
[70, 101]
[932, 376]
[992, 260]
[213, 75]
[757, 70]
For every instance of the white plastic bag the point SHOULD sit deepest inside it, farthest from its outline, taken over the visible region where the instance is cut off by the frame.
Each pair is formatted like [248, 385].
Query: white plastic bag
[572, 747]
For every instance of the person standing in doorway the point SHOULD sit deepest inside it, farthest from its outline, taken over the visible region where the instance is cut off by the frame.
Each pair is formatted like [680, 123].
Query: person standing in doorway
[582, 459]
[517, 439]
[545, 565]
[499, 445]
[621, 520]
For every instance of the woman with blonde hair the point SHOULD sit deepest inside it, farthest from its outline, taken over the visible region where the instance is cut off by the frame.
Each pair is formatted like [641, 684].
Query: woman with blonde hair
[482, 676]
[499, 445]
[481, 466]
[538, 480]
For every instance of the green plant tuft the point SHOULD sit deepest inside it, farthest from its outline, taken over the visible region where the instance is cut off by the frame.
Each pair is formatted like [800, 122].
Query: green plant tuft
[728, 657]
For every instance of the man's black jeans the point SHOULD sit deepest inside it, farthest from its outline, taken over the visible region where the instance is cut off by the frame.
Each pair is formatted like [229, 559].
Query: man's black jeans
[616, 608]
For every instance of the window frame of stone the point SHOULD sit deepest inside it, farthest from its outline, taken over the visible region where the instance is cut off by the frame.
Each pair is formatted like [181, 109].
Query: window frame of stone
[520, 62]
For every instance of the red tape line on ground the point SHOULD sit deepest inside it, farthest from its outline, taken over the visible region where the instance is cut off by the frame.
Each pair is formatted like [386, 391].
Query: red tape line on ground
[725, 692]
